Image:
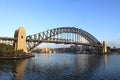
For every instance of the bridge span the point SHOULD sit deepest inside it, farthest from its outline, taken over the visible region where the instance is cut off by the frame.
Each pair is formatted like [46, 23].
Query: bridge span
[62, 35]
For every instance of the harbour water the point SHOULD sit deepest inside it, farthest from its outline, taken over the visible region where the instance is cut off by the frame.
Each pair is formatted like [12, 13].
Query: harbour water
[61, 66]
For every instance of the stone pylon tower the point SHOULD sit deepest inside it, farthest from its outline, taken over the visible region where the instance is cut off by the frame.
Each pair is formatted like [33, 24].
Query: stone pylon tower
[20, 43]
[104, 47]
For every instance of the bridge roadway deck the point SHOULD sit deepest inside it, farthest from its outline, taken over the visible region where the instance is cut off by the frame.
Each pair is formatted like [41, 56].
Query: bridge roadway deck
[62, 42]
[50, 41]
[7, 38]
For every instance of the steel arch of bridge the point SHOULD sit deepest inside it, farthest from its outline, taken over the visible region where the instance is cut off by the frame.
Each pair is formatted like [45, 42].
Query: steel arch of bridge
[38, 38]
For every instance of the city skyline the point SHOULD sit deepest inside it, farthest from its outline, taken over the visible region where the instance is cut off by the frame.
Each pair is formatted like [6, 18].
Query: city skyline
[99, 18]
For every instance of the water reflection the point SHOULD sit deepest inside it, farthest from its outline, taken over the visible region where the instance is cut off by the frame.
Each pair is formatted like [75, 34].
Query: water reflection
[105, 61]
[12, 69]
[62, 67]
[19, 69]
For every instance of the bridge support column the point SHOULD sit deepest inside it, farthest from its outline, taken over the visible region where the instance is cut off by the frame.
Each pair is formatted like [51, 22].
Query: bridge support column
[20, 44]
[104, 47]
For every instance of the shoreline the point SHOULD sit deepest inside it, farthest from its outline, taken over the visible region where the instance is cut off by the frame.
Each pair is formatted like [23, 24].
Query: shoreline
[16, 57]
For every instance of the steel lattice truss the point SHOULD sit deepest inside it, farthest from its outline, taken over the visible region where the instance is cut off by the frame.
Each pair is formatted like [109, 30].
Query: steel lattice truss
[55, 36]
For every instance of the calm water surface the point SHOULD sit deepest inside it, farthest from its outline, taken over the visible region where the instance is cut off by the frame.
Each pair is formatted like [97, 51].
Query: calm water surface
[62, 67]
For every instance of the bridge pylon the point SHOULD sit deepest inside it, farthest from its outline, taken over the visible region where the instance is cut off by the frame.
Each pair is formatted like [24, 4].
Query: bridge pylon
[104, 47]
[20, 43]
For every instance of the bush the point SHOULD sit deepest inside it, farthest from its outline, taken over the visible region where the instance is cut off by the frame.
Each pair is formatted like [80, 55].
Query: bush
[6, 49]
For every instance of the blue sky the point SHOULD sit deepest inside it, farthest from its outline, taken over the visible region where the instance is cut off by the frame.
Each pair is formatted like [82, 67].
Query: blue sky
[101, 18]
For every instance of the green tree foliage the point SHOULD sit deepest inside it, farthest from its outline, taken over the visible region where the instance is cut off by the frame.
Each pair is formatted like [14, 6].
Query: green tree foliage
[6, 49]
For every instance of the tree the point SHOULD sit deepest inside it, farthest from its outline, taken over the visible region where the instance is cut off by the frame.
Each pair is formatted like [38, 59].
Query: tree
[6, 49]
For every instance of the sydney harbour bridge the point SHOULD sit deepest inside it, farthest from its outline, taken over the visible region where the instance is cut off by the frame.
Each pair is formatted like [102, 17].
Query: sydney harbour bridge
[61, 35]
